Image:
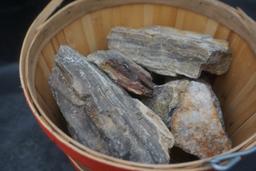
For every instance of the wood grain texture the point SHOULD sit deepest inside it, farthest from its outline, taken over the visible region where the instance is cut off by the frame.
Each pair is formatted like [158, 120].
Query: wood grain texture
[246, 130]
[148, 18]
[89, 32]
[180, 18]
[48, 55]
[102, 116]
[164, 16]
[58, 39]
[237, 95]
[123, 71]
[194, 22]
[75, 37]
[171, 52]
[229, 79]
[132, 15]
[211, 27]
[222, 32]
[98, 33]
[49, 104]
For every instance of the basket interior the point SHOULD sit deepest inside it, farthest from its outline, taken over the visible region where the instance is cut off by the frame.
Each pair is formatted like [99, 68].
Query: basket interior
[236, 89]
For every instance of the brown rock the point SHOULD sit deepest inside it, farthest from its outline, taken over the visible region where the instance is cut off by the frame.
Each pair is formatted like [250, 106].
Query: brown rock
[170, 52]
[123, 71]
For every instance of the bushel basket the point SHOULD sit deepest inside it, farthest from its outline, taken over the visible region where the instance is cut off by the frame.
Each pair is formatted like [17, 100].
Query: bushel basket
[84, 24]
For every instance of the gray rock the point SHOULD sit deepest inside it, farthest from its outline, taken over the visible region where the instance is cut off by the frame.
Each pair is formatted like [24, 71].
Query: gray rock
[192, 112]
[170, 52]
[123, 71]
[166, 98]
[102, 116]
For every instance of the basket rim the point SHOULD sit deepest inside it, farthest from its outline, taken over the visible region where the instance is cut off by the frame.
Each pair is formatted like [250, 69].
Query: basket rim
[76, 146]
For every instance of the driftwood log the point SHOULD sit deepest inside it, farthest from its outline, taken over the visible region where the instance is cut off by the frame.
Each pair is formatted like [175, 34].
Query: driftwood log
[102, 116]
[192, 112]
[123, 71]
[170, 52]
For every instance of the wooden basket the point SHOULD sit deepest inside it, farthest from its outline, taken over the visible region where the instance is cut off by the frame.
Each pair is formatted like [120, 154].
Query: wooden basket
[84, 25]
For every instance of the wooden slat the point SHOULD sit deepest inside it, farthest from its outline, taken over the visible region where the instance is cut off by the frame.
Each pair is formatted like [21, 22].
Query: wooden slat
[61, 38]
[107, 23]
[180, 18]
[194, 22]
[58, 39]
[246, 105]
[55, 44]
[164, 15]
[42, 85]
[132, 16]
[75, 37]
[148, 14]
[43, 90]
[245, 61]
[97, 26]
[230, 80]
[222, 32]
[211, 27]
[42, 65]
[49, 54]
[245, 110]
[240, 108]
[245, 131]
[116, 16]
[89, 32]
[237, 88]
[224, 82]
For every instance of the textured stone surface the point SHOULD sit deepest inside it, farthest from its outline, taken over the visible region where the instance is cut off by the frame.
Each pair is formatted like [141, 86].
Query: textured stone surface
[171, 52]
[192, 112]
[166, 98]
[102, 116]
[123, 71]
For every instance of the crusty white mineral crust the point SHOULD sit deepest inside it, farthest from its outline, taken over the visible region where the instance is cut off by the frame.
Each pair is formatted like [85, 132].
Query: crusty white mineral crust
[193, 113]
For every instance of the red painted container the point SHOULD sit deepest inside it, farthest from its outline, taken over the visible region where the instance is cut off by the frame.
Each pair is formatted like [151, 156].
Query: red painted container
[84, 24]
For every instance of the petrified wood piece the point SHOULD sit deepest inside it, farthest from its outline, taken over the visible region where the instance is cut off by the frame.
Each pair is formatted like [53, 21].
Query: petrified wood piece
[170, 52]
[166, 98]
[102, 116]
[123, 71]
[193, 114]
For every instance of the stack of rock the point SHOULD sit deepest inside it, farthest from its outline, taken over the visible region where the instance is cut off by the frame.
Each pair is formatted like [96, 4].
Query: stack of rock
[96, 94]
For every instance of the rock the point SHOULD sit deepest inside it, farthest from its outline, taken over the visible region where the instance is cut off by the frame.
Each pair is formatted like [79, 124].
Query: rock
[123, 71]
[197, 122]
[166, 98]
[171, 52]
[102, 116]
[193, 114]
